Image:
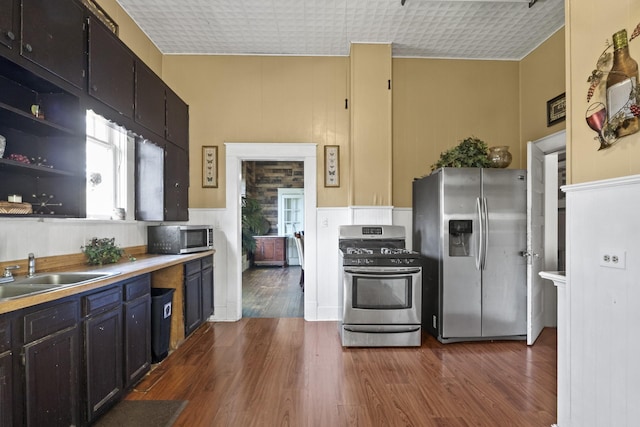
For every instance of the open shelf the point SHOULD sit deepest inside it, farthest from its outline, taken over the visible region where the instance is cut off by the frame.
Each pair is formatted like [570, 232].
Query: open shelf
[31, 170]
[18, 119]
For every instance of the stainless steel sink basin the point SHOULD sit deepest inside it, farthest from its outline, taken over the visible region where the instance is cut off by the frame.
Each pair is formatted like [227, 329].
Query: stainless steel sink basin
[23, 286]
[13, 290]
[60, 279]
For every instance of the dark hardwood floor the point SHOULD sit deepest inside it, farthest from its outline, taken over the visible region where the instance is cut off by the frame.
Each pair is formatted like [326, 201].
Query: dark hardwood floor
[289, 372]
[272, 292]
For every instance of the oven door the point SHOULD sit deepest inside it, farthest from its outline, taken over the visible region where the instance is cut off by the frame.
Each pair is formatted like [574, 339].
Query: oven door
[382, 295]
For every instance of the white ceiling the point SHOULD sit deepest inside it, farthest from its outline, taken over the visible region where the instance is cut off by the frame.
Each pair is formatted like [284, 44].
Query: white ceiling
[471, 29]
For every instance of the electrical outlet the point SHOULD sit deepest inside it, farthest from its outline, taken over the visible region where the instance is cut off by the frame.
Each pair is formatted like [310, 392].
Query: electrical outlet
[613, 258]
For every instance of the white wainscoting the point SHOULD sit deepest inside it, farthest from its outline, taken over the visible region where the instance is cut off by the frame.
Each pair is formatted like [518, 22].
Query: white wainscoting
[603, 305]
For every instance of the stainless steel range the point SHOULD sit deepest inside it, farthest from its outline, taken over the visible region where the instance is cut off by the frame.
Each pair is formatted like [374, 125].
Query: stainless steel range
[381, 289]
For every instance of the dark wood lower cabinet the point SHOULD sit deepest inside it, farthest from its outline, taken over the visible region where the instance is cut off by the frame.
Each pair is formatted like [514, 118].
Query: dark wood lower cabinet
[192, 302]
[198, 293]
[137, 338]
[6, 389]
[103, 356]
[52, 395]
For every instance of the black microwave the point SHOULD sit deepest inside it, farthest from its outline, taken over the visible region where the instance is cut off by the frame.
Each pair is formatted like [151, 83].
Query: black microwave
[179, 239]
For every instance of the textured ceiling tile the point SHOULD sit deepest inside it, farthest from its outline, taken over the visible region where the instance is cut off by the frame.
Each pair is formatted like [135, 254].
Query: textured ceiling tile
[421, 28]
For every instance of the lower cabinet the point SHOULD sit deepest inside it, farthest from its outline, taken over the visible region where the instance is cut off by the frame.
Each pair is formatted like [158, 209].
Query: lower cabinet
[65, 363]
[270, 250]
[137, 329]
[51, 365]
[198, 292]
[6, 372]
[102, 349]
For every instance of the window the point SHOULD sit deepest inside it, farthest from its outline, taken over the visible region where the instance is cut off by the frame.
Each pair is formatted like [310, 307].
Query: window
[109, 149]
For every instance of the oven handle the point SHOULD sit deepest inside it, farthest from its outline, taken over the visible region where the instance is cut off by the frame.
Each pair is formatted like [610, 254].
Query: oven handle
[386, 329]
[382, 270]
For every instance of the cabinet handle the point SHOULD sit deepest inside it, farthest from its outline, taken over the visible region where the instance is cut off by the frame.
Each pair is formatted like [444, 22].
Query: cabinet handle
[10, 35]
[177, 184]
[94, 88]
[28, 48]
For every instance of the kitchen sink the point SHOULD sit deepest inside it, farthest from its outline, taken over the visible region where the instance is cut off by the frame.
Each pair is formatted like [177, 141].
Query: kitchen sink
[12, 290]
[61, 279]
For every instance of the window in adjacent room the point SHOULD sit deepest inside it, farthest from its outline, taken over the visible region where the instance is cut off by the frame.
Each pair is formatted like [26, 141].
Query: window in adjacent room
[109, 148]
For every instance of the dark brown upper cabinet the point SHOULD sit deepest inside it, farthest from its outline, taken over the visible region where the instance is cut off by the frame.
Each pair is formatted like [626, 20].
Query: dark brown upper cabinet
[53, 37]
[177, 120]
[9, 20]
[176, 187]
[111, 65]
[149, 101]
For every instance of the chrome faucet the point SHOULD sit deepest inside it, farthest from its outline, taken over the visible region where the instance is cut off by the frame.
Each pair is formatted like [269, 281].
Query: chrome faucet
[7, 276]
[31, 271]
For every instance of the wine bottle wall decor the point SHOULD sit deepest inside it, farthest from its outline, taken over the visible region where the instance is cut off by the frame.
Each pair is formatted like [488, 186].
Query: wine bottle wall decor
[615, 112]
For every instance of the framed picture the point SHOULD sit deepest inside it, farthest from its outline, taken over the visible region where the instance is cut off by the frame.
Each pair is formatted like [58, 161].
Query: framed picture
[556, 109]
[332, 166]
[210, 166]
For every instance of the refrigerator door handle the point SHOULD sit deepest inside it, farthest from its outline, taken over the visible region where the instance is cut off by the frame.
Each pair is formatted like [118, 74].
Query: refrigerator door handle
[480, 240]
[485, 237]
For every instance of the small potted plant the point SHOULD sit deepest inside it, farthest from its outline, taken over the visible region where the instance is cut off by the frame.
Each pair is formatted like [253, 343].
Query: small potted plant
[471, 152]
[102, 251]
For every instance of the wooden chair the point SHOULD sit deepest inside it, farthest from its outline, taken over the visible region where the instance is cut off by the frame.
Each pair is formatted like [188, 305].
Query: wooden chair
[299, 238]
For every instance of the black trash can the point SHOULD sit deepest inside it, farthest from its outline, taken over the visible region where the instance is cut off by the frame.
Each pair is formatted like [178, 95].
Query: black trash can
[161, 302]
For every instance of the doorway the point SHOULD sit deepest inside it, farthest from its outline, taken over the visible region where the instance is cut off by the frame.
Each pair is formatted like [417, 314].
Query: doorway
[271, 282]
[236, 153]
[546, 166]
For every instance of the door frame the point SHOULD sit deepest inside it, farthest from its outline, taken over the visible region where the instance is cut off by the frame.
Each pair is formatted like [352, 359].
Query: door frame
[236, 153]
[550, 146]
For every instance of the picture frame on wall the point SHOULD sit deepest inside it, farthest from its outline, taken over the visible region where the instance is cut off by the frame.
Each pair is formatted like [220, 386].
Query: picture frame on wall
[210, 166]
[556, 109]
[332, 166]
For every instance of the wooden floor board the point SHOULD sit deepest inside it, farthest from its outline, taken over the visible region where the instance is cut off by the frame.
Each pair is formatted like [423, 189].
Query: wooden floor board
[274, 372]
[272, 292]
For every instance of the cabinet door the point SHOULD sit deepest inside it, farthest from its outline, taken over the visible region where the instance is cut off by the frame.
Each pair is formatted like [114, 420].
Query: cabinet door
[149, 181]
[103, 355]
[53, 37]
[51, 379]
[8, 22]
[149, 99]
[177, 121]
[265, 249]
[176, 191]
[111, 76]
[6, 373]
[6, 389]
[207, 292]
[192, 303]
[137, 339]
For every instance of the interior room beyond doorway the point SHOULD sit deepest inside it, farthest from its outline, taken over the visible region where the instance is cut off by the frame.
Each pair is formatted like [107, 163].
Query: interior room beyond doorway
[272, 275]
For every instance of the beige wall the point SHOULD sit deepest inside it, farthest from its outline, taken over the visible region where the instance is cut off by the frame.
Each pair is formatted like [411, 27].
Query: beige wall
[438, 103]
[262, 99]
[542, 77]
[589, 24]
[371, 111]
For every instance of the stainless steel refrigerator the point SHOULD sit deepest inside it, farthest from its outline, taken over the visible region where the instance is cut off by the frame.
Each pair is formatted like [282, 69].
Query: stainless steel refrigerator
[469, 224]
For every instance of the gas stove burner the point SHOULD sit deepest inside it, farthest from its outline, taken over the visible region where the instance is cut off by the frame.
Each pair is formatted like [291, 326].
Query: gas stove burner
[394, 251]
[359, 251]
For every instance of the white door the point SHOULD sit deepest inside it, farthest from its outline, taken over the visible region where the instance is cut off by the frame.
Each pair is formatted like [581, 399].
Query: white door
[291, 219]
[535, 241]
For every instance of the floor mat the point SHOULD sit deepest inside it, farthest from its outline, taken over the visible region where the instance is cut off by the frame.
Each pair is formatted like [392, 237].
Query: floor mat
[142, 413]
